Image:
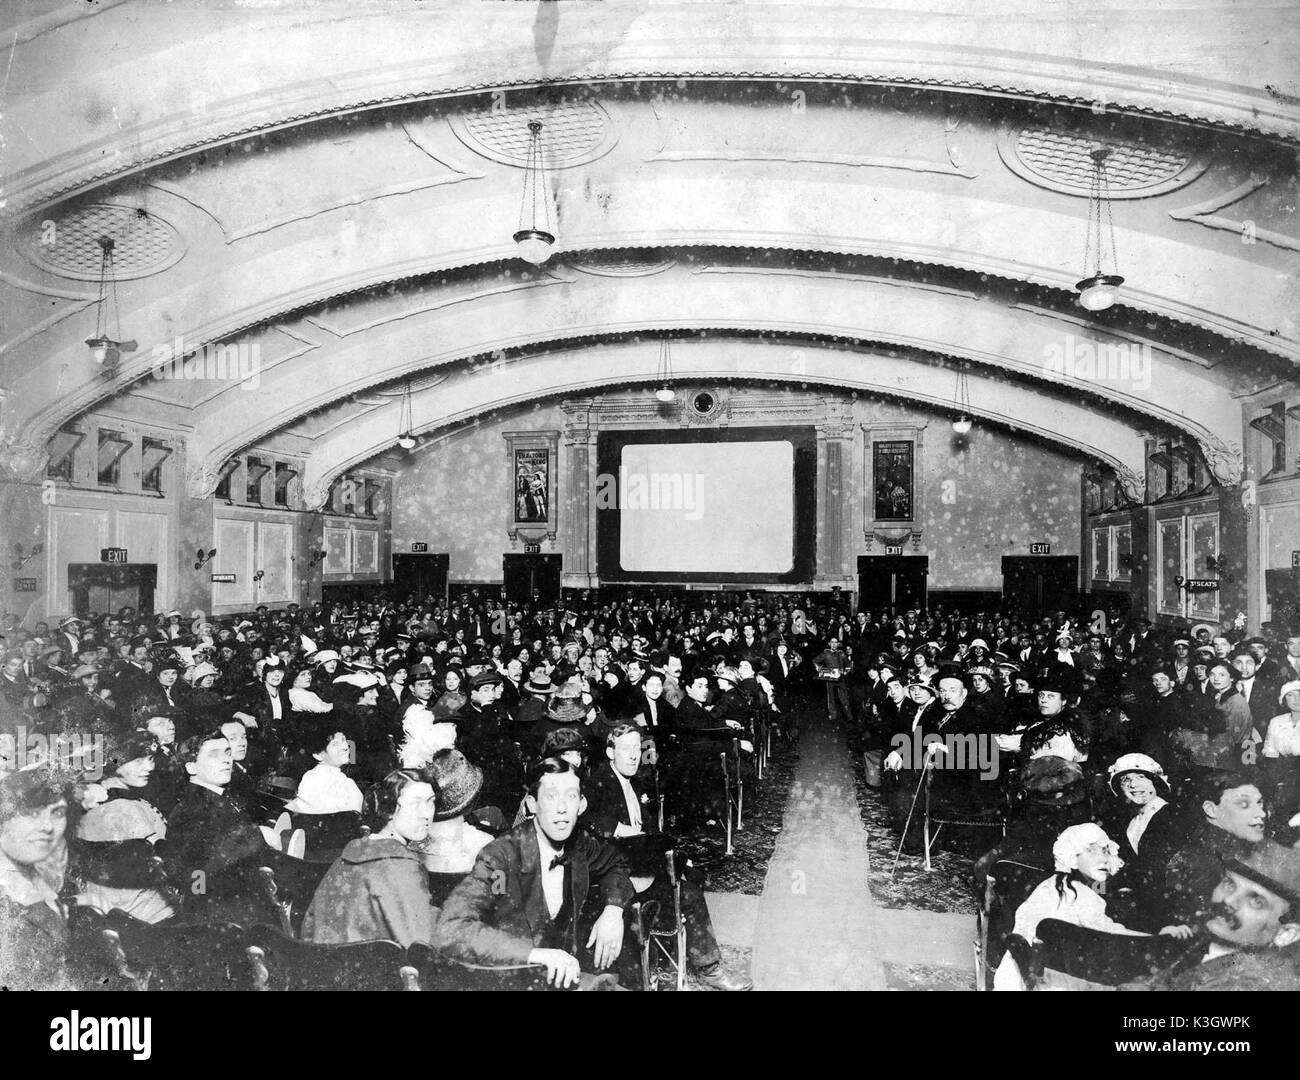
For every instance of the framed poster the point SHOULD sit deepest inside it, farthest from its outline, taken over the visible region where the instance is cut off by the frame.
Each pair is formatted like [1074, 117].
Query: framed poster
[532, 486]
[893, 480]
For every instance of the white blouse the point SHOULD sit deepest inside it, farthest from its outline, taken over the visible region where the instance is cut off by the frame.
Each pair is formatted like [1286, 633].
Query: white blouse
[324, 789]
[306, 701]
[1283, 738]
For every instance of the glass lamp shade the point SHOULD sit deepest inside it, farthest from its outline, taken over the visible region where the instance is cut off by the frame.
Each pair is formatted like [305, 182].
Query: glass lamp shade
[102, 350]
[406, 441]
[1099, 292]
[665, 395]
[534, 245]
[962, 425]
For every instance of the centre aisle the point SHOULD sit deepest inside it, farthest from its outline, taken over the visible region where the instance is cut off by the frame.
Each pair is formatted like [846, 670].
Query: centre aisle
[817, 926]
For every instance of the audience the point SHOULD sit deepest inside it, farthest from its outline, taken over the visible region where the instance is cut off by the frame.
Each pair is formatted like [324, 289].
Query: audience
[1184, 746]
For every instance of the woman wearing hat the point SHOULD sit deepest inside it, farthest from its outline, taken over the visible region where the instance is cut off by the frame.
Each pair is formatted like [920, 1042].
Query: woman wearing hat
[453, 843]
[113, 861]
[1142, 818]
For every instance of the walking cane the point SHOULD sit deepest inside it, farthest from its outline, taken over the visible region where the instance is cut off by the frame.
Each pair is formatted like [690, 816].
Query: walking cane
[903, 839]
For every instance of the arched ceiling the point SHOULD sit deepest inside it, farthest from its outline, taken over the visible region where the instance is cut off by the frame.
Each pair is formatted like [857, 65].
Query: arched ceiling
[889, 192]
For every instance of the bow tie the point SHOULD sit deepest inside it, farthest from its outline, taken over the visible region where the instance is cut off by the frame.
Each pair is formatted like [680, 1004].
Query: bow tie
[562, 859]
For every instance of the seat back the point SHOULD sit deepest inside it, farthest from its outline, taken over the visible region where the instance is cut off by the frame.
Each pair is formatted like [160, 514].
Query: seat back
[443, 973]
[1009, 884]
[327, 834]
[164, 956]
[288, 964]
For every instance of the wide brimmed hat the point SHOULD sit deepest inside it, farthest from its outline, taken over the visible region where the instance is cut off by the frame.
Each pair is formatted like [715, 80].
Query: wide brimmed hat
[540, 685]
[566, 711]
[456, 783]
[1137, 763]
[122, 819]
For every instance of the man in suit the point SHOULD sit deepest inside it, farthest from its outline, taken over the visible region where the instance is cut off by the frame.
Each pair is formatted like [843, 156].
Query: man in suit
[134, 677]
[69, 636]
[532, 892]
[1260, 694]
[652, 711]
[1290, 663]
[13, 692]
[215, 849]
[620, 809]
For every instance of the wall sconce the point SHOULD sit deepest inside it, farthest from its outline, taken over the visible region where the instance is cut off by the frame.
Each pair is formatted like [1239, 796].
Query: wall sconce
[317, 556]
[21, 560]
[259, 575]
[201, 559]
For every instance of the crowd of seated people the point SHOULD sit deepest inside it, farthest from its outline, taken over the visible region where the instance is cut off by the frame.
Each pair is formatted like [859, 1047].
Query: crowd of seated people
[338, 748]
[1109, 777]
[486, 779]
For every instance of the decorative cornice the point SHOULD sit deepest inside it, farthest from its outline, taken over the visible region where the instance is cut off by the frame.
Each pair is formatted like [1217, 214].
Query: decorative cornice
[174, 136]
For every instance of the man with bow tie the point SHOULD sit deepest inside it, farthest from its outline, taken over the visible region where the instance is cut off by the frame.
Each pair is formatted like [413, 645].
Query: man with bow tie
[532, 893]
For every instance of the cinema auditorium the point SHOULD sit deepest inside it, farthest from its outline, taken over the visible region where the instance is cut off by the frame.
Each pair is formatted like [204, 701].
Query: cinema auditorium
[650, 495]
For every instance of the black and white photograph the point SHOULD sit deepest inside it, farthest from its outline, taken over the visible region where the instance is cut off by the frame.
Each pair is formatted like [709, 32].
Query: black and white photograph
[652, 496]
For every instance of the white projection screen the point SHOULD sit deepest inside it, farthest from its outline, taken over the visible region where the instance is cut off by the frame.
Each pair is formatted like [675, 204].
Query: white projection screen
[707, 508]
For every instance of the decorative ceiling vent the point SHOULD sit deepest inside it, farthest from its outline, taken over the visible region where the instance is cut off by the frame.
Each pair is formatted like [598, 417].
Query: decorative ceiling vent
[615, 265]
[1062, 162]
[67, 243]
[573, 133]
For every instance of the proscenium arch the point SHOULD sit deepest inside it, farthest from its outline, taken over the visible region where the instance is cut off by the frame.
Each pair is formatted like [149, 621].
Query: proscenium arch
[1017, 344]
[563, 373]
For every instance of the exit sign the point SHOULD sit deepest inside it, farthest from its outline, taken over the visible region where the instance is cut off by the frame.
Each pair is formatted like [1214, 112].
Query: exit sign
[24, 584]
[223, 579]
[114, 555]
[893, 549]
[532, 549]
[1040, 549]
[419, 547]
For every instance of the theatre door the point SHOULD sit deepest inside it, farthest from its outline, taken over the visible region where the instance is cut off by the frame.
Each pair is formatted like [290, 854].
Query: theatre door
[107, 587]
[1041, 582]
[532, 578]
[892, 583]
[421, 576]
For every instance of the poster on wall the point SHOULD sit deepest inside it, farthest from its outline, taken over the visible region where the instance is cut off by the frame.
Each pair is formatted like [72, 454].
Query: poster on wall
[532, 485]
[893, 480]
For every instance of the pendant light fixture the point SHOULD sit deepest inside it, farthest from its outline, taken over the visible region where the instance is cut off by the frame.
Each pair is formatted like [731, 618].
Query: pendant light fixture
[535, 236]
[961, 400]
[1099, 289]
[405, 439]
[104, 349]
[664, 374]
